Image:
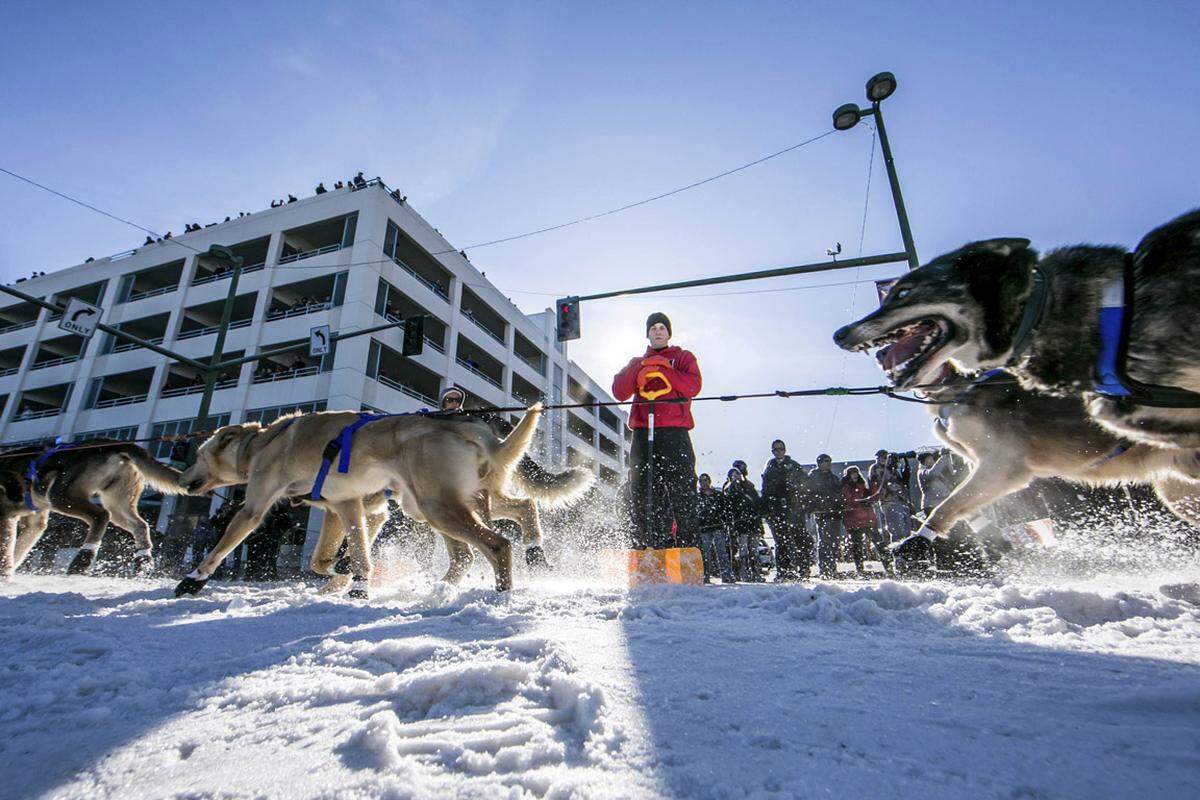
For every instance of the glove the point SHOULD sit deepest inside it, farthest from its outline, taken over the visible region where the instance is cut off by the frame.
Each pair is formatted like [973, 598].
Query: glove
[656, 361]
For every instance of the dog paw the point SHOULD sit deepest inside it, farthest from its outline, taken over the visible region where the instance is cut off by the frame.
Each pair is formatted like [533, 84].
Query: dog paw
[82, 561]
[190, 586]
[336, 585]
[143, 562]
[359, 590]
[535, 557]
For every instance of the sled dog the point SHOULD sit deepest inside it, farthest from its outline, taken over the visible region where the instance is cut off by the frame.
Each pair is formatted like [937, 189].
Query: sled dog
[1096, 322]
[535, 486]
[439, 469]
[65, 481]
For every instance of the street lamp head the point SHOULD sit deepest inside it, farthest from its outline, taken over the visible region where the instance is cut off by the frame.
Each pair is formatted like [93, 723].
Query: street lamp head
[846, 116]
[881, 86]
[220, 252]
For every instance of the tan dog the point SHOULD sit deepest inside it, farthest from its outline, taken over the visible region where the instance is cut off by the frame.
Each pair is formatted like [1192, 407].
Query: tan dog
[440, 469]
[113, 472]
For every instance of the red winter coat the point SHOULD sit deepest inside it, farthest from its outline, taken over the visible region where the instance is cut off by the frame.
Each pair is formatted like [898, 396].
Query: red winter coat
[857, 514]
[684, 375]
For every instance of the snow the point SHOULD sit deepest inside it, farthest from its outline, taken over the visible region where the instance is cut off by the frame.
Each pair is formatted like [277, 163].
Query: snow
[1084, 687]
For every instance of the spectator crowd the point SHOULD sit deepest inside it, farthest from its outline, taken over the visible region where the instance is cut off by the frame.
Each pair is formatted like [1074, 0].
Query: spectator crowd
[816, 517]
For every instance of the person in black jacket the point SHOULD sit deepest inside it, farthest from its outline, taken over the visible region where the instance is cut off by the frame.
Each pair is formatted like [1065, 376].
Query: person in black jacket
[825, 502]
[783, 501]
[746, 522]
[712, 523]
[262, 551]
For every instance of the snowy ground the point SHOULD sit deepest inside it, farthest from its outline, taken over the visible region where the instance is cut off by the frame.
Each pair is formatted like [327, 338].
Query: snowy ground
[1025, 688]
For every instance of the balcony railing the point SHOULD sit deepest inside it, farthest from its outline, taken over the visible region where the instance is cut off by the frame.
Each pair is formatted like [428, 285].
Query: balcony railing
[479, 372]
[4, 373]
[537, 365]
[523, 400]
[49, 412]
[298, 311]
[329, 248]
[121, 401]
[196, 332]
[400, 387]
[288, 375]
[180, 391]
[124, 347]
[216, 276]
[54, 362]
[581, 437]
[18, 326]
[150, 293]
[436, 288]
[483, 327]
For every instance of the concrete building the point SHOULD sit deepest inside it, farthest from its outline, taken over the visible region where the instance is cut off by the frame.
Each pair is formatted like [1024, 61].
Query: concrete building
[348, 258]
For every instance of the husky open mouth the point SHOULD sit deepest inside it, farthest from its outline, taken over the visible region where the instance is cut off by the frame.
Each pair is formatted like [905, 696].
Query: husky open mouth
[905, 350]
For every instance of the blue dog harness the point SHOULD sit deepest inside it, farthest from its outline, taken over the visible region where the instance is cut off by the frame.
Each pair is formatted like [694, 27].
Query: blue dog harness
[339, 449]
[1111, 379]
[35, 465]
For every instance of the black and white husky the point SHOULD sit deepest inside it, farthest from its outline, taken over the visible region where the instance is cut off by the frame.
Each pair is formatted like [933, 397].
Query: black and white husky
[1116, 328]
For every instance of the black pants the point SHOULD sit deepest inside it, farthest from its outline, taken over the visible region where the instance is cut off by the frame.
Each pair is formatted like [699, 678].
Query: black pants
[793, 547]
[674, 489]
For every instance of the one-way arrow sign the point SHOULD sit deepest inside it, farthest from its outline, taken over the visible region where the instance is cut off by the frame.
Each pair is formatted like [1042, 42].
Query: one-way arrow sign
[318, 341]
[80, 317]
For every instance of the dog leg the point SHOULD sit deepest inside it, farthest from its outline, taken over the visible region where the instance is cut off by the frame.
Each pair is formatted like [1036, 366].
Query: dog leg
[123, 508]
[985, 485]
[354, 522]
[1182, 498]
[325, 554]
[461, 557]
[97, 520]
[8, 547]
[456, 521]
[29, 530]
[525, 513]
[240, 526]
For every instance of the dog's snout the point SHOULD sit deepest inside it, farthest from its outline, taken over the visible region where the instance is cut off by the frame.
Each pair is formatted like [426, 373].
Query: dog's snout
[840, 335]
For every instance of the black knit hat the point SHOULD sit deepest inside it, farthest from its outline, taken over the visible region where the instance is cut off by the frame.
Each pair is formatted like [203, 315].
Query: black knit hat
[656, 318]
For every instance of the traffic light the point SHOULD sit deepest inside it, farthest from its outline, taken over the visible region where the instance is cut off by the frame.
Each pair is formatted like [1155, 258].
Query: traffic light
[568, 319]
[414, 336]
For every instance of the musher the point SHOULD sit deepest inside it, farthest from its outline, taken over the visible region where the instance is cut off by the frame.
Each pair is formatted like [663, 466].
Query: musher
[664, 373]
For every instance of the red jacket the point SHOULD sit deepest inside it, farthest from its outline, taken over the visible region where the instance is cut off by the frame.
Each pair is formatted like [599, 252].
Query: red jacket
[858, 514]
[684, 374]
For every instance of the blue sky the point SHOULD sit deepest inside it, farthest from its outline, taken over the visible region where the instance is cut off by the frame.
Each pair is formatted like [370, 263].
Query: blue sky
[1061, 122]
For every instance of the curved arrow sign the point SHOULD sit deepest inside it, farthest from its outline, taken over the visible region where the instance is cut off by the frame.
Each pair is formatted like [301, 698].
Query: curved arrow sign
[318, 341]
[80, 317]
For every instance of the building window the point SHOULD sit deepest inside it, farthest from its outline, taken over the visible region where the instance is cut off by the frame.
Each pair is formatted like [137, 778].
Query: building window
[176, 427]
[126, 434]
[265, 416]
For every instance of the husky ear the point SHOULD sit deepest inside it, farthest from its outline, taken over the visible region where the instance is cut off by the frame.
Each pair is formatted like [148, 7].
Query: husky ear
[1004, 247]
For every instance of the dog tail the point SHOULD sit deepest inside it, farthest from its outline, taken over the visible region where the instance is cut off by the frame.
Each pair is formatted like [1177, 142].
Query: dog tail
[509, 452]
[158, 476]
[553, 489]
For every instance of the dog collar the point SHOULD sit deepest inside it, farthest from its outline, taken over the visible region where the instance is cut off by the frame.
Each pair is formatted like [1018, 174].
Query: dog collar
[1035, 310]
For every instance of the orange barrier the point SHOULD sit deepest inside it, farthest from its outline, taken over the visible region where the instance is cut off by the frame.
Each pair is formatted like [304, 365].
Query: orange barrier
[637, 567]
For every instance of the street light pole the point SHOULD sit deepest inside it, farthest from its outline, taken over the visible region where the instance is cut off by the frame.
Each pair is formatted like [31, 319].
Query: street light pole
[897, 197]
[210, 375]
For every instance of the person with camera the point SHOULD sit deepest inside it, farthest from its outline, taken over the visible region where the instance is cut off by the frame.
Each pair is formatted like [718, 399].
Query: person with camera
[935, 478]
[783, 503]
[890, 493]
[825, 503]
[712, 526]
[746, 523]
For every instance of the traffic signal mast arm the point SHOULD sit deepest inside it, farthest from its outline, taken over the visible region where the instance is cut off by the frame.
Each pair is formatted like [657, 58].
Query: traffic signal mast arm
[117, 332]
[287, 348]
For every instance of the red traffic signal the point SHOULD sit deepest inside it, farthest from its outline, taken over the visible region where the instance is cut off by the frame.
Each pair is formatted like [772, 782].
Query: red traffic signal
[568, 319]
